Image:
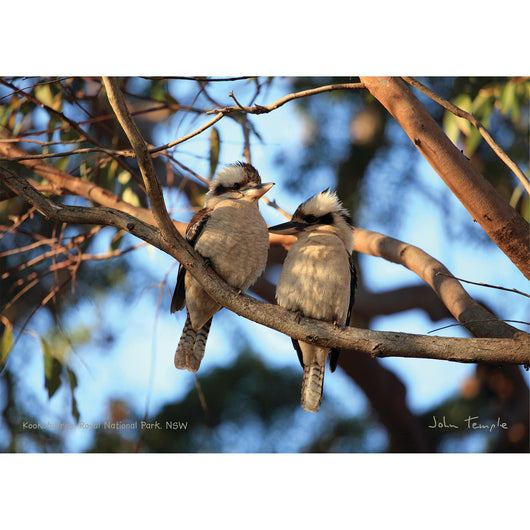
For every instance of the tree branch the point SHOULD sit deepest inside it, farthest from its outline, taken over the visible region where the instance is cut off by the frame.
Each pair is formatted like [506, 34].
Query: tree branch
[503, 224]
[264, 109]
[475, 317]
[375, 343]
[471, 118]
[463, 308]
[77, 186]
[152, 185]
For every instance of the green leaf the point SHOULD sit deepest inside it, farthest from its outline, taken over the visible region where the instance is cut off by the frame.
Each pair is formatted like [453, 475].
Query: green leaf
[453, 125]
[215, 149]
[507, 98]
[129, 196]
[61, 163]
[44, 94]
[450, 126]
[117, 240]
[482, 107]
[516, 195]
[72, 378]
[50, 95]
[473, 140]
[83, 170]
[6, 344]
[124, 177]
[52, 370]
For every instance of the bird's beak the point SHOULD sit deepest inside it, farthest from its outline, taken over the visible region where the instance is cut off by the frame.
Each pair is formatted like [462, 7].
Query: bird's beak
[290, 228]
[258, 191]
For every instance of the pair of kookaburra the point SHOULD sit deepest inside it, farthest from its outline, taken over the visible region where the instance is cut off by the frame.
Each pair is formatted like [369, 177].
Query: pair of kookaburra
[317, 280]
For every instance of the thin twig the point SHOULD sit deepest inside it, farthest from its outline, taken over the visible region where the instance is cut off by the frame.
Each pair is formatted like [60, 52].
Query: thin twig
[274, 204]
[457, 111]
[74, 125]
[260, 109]
[190, 135]
[220, 113]
[483, 284]
[83, 151]
[19, 90]
[487, 320]
[18, 222]
[51, 253]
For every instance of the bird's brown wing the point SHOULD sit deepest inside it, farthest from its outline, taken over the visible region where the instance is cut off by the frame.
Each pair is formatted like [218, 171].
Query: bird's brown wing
[193, 231]
[353, 286]
[334, 353]
[298, 351]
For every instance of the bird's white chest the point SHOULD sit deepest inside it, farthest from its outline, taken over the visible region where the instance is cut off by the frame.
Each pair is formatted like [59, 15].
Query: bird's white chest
[236, 241]
[315, 279]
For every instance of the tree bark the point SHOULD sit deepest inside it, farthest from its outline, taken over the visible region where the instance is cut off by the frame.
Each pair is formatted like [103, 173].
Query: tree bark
[502, 223]
[375, 343]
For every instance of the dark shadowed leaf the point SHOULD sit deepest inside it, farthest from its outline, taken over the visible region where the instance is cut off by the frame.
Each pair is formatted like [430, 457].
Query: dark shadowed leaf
[72, 378]
[52, 370]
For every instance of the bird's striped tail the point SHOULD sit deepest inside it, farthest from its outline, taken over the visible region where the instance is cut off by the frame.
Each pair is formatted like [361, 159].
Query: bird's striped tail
[190, 349]
[312, 387]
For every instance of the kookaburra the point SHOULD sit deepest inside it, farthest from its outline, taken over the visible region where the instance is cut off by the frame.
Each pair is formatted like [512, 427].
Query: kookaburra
[232, 235]
[318, 280]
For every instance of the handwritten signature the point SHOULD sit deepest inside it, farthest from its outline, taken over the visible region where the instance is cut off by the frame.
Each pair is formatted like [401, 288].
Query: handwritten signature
[469, 423]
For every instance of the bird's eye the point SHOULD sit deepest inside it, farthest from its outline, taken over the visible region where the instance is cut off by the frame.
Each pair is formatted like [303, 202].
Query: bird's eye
[236, 186]
[310, 218]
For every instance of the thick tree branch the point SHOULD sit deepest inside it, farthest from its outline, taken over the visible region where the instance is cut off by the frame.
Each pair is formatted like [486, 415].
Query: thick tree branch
[509, 231]
[475, 317]
[375, 343]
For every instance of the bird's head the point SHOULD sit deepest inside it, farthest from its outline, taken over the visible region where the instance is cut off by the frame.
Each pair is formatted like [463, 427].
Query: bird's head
[321, 213]
[239, 181]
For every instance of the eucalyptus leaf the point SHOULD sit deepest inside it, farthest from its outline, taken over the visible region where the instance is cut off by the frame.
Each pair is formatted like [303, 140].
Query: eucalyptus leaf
[215, 148]
[6, 344]
[507, 98]
[72, 378]
[52, 369]
[473, 140]
[44, 94]
[129, 196]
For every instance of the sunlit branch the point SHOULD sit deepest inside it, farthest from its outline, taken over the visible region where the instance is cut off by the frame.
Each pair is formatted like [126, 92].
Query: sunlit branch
[18, 222]
[59, 249]
[376, 343]
[80, 187]
[263, 109]
[503, 224]
[145, 162]
[457, 111]
[455, 298]
[190, 135]
[73, 125]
